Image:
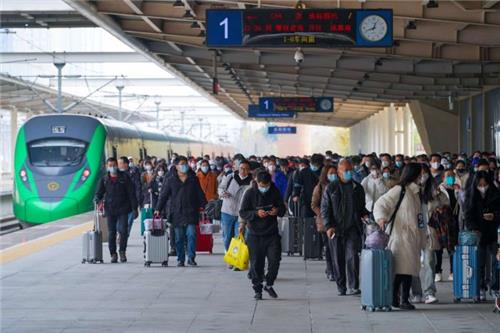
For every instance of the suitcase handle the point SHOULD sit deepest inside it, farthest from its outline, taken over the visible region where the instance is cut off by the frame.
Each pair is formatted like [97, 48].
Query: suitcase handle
[96, 217]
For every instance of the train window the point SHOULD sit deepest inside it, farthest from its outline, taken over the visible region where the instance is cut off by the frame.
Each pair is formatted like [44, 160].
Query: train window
[56, 152]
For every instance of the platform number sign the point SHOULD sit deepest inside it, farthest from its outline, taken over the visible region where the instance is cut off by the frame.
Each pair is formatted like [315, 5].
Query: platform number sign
[225, 27]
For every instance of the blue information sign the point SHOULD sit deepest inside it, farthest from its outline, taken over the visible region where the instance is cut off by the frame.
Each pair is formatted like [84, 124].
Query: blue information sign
[296, 104]
[282, 130]
[224, 27]
[286, 27]
[254, 111]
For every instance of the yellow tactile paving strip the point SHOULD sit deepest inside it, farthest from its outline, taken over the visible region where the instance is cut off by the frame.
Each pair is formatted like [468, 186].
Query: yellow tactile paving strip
[24, 249]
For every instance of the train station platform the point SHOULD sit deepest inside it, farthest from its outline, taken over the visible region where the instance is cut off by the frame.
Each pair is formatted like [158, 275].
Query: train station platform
[49, 290]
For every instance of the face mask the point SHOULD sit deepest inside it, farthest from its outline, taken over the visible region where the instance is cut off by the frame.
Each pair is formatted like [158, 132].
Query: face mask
[112, 170]
[243, 177]
[385, 164]
[271, 168]
[424, 178]
[204, 169]
[263, 189]
[301, 168]
[435, 165]
[374, 173]
[184, 168]
[213, 167]
[148, 167]
[219, 168]
[368, 164]
[387, 175]
[266, 165]
[131, 164]
[314, 168]
[332, 177]
[228, 170]
[446, 165]
[161, 173]
[122, 169]
[450, 180]
[399, 164]
[347, 175]
[482, 189]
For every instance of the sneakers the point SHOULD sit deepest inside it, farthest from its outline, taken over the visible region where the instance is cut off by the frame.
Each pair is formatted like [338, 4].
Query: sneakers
[341, 293]
[438, 277]
[270, 291]
[416, 299]
[430, 299]
[482, 296]
[258, 296]
[180, 264]
[114, 258]
[191, 262]
[123, 257]
[407, 306]
[172, 253]
[354, 292]
[450, 277]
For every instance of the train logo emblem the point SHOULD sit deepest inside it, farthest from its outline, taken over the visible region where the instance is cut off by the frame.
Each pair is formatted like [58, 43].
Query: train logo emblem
[53, 186]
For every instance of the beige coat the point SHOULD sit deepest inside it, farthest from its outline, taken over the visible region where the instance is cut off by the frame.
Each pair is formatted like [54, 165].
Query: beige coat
[407, 240]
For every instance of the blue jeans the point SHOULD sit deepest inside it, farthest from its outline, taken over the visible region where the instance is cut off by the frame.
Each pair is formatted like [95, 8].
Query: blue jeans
[181, 232]
[117, 223]
[229, 224]
[130, 221]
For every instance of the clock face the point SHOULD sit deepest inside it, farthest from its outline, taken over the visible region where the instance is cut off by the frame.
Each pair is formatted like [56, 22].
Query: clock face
[325, 105]
[373, 28]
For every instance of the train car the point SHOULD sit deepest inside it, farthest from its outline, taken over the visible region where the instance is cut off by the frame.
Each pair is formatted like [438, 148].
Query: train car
[60, 158]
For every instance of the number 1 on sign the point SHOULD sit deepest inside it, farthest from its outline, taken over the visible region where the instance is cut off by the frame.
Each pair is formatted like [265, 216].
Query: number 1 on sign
[266, 102]
[225, 23]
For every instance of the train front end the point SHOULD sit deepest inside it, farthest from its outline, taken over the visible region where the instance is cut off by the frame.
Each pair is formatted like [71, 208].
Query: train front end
[58, 161]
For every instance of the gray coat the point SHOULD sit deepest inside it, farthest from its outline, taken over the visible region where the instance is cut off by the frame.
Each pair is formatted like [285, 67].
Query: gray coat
[231, 204]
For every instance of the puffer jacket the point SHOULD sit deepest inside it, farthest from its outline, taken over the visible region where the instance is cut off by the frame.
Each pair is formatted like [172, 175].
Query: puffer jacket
[236, 189]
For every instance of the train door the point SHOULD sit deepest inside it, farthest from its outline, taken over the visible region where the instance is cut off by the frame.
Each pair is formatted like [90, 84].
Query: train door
[114, 152]
[141, 154]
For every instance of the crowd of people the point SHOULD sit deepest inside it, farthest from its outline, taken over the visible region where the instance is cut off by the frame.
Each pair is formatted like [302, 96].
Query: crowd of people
[421, 201]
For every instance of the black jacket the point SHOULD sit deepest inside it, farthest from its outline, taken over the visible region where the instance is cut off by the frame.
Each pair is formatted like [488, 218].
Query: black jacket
[135, 177]
[155, 187]
[476, 206]
[186, 199]
[332, 211]
[119, 195]
[303, 187]
[254, 200]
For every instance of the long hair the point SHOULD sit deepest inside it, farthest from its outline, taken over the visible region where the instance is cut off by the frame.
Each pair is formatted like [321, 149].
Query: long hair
[429, 187]
[472, 195]
[410, 174]
[323, 178]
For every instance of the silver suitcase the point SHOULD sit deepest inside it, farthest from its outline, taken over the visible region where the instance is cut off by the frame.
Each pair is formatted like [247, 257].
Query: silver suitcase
[156, 248]
[92, 243]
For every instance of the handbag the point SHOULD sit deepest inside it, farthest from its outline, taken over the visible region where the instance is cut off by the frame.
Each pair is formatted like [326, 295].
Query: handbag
[237, 254]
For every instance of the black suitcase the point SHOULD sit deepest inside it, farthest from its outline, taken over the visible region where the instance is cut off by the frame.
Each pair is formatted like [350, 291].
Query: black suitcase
[291, 235]
[312, 242]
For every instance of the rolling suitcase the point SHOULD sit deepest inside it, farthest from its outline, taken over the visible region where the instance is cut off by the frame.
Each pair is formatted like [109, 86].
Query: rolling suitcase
[92, 242]
[204, 242]
[312, 242]
[376, 280]
[146, 212]
[290, 232]
[156, 245]
[103, 225]
[466, 273]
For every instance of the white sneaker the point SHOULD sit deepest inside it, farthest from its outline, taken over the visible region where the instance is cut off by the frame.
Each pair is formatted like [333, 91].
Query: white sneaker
[416, 299]
[450, 277]
[482, 296]
[430, 299]
[438, 277]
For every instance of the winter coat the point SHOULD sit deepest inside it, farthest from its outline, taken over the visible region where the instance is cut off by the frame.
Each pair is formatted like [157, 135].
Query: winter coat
[281, 182]
[374, 189]
[316, 204]
[254, 200]
[231, 204]
[333, 208]
[407, 239]
[208, 183]
[186, 199]
[303, 187]
[476, 206]
[118, 194]
[145, 182]
[135, 177]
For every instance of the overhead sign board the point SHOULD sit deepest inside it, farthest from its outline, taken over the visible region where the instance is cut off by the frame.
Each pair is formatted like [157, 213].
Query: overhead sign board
[254, 111]
[282, 130]
[299, 27]
[296, 104]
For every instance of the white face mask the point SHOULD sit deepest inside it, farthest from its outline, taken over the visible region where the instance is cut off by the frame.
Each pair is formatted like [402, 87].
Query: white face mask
[385, 164]
[424, 178]
[245, 177]
[374, 173]
[482, 189]
[435, 165]
[271, 168]
[368, 164]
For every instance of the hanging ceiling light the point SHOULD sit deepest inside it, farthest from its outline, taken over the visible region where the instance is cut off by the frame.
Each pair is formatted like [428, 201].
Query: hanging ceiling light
[195, 24]
[178, 3]
[188, 14]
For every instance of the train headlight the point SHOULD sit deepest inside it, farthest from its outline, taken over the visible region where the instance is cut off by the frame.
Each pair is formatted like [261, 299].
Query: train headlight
[85, 174]
[23, 175]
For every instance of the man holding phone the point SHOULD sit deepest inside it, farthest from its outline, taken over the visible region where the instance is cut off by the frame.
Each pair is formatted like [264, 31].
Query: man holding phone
[261, 205]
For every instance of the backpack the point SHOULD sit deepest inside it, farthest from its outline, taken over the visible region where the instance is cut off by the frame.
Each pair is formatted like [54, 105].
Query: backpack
[213, 209]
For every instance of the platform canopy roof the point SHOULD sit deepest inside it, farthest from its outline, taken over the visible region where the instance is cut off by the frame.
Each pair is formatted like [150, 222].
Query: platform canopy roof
[449, 50]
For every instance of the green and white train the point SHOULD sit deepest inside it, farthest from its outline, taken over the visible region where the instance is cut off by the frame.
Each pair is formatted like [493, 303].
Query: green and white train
[60, 158]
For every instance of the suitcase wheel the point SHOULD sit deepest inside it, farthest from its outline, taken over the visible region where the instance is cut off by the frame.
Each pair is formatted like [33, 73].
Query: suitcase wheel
[102, 261]
[363, 307]
[84, 261]
[371, 309]
[164, 264]
[457, 300]
[147, 264]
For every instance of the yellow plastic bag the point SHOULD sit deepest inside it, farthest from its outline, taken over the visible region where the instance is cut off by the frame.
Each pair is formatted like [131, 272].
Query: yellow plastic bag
[237, 255]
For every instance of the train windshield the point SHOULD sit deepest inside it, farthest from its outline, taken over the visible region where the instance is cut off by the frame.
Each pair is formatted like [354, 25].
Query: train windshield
[56, 152]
